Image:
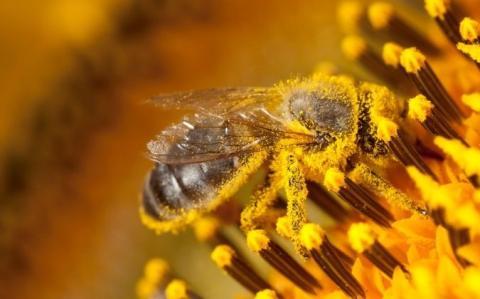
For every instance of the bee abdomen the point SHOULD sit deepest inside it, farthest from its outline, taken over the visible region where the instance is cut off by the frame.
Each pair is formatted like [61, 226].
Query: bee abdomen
[172, 190]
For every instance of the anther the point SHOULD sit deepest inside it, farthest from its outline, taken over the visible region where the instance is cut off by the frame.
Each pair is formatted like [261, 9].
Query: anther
[422, 110]
[266, 294]
[327, 202]
[419, 71]
[469, 30]
[177, 289]
[154, 277]
[441, 11]
[278, 258]
[355, 48]
[364, 241]
[391, 54]
[357, 196]
[351, 16]
[226, 258]
[316, 242]
[383, 17]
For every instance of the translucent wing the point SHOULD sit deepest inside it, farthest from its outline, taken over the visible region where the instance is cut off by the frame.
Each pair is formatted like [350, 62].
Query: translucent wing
[218, 100]
[208, 136]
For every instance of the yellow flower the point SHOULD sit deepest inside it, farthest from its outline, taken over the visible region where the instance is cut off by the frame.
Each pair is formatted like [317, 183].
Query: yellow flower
[406, 214]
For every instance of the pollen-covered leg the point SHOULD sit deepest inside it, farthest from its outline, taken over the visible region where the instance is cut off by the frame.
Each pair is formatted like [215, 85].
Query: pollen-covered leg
[363, 175]
[295, 191]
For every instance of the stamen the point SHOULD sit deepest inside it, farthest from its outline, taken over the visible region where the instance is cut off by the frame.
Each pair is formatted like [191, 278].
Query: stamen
[351, 16]
[315, 241]
[206, 228]
[327, 202]
[422, 75]
[469, 30]
[357, 196]
[283, 227]
[391, 54]
[226, 258]
[155, 274]
[278, 258]
[407, 154]
[364, 240]
[442, 13]
[422, 110]
[266, 294]
[177, 289]
[355, 48]
[383, 17]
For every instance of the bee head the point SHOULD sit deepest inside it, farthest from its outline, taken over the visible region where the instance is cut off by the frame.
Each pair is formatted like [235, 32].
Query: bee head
[325, 106]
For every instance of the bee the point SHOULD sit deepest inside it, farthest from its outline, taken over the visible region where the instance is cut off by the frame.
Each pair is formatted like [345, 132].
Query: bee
[329, 130]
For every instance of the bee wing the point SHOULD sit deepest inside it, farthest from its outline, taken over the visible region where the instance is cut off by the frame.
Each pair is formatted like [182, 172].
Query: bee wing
[218, 100]
[207, 136]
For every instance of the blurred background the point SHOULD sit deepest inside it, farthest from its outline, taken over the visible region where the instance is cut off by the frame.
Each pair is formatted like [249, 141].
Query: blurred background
[74, 76]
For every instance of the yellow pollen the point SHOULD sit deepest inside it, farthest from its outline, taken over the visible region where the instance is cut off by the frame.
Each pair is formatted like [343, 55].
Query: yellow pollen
[257, 240]
[419, 108]
[206, 228]
[469, 29]
[283, 227]
[412, 60]
[222, 255]
[436, 8]
[349, 14]
[466, 157]
[155, 270]
[361, 237]
[380, 14]
[353, 47]
[266, 294]
[386, 129]
[472, 100]
[391, 54]
[471, 50]
[311, 236]
[334, 179]
[176, 289]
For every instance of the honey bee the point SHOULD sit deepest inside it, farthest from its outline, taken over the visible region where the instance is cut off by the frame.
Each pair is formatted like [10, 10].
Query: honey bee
[326, 129]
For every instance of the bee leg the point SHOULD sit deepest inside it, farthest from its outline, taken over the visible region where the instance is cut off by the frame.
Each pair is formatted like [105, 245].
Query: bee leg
[296, 193]
[364, 175]
[253, 214]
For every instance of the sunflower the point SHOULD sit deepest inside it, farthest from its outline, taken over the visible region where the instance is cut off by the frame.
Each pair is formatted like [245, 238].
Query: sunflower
[427, 253]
